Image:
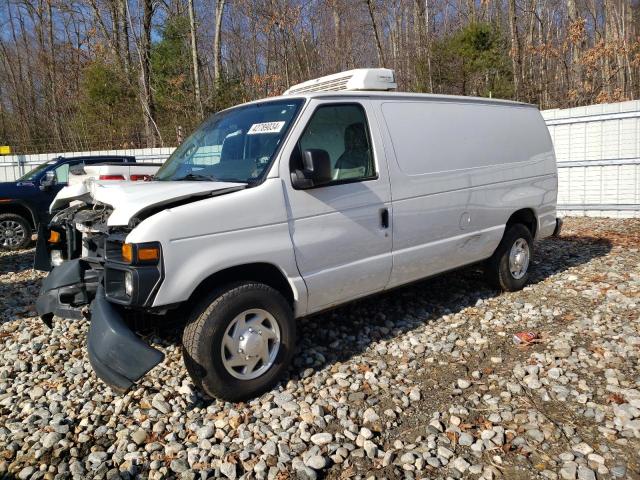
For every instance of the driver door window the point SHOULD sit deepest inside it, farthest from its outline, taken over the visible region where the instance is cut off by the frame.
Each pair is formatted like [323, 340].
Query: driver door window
[341, 131]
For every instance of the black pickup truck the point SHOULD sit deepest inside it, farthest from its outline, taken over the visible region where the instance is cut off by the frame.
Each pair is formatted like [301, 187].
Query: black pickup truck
[24, 204]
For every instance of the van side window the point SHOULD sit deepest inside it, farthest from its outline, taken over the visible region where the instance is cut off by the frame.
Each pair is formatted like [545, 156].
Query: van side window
[342, 131]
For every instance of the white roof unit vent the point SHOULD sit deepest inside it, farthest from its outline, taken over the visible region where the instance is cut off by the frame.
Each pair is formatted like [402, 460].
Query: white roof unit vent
[359, 79]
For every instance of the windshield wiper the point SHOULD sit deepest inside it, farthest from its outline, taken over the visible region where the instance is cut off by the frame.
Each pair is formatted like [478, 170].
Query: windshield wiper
[197, 176]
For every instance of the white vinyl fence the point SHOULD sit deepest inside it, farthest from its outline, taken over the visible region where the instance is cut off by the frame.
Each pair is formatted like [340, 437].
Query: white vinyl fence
[598, 153]
[597, 147]
[13, 167]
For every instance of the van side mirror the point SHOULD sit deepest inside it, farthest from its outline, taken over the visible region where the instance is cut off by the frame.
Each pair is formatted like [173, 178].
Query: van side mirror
[316, 169]
[49, 180]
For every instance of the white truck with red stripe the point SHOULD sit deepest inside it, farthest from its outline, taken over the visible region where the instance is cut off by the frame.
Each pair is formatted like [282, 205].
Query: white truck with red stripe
[134, 172]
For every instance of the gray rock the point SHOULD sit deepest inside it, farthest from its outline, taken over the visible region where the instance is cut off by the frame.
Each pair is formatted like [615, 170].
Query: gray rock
[205, 432]
[36, 393]
[536, 435]
[370, 448]
[228, 470]
[139, 436]
[408, 458]
[160, 404]
[619, 471]
[465, 439]
[323, 438]
[372, 420]
[366, 433]
[463, 383]
[561, 349]
[305, 473]
[582, 448]
[585, 473]
[436, 426]
[554, 373]
[460, 464]
[96, 458]
[26, 473]
[269, 448]
[179, 465]
[477, 446]
[568, 471]
[51, 439]
[414, 394]
[317, 462]
[445, 452]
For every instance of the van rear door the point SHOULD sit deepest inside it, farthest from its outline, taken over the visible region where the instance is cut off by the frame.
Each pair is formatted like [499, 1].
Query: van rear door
[340, 230]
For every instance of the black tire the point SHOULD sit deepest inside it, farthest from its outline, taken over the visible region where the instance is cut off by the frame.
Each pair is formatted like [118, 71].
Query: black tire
[497, 268]
[206, 327]
[19, 226]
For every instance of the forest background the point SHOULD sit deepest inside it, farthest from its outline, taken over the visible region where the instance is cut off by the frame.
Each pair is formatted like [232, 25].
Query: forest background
[103, 74]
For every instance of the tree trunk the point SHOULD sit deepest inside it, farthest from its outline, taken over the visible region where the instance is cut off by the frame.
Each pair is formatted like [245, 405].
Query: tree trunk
[146, 95]
[124, 37]
[515, 49]
[55, 114]
[427, 21]
[194, 59]
[575, 70]
[336, 32]
[217, 63]
[381, 62]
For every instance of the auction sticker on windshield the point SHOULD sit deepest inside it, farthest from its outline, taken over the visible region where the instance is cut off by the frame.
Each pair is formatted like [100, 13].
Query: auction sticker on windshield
[266, 127]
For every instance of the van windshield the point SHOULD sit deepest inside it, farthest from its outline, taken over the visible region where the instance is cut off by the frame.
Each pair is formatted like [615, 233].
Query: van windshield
[235, 145]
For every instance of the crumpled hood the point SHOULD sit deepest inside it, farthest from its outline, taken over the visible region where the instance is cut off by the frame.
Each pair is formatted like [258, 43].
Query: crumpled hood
[129, 198]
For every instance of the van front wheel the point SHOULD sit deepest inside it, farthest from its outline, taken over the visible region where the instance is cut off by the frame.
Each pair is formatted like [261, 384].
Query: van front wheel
[509, 266]
[239, 341]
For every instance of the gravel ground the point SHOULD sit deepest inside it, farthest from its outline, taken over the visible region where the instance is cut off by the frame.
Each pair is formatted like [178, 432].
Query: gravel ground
[422, 382]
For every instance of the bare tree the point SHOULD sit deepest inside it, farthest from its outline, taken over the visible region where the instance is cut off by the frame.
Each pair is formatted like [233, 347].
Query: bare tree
[194, 58]
[217, 63]
[515, 48]
[376, 35]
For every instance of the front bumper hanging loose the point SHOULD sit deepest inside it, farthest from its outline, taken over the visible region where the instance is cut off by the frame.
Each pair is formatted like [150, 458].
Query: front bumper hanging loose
[118, 356]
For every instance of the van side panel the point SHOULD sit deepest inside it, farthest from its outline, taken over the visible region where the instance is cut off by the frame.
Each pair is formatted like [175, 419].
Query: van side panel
[458, 171]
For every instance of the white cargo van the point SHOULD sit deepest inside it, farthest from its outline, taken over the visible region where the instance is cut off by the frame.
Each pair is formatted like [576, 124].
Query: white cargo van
[288, 206]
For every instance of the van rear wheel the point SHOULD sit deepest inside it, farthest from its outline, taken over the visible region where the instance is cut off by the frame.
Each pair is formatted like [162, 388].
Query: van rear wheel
[509, 266]
[239, 341]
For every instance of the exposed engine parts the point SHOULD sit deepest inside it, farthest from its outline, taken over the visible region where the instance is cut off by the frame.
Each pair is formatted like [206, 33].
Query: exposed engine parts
[83, 229]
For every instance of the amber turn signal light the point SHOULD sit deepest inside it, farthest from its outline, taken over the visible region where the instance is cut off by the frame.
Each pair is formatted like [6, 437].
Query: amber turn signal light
[147, 254]
[54, 237]
[140, 254]
[127, 252]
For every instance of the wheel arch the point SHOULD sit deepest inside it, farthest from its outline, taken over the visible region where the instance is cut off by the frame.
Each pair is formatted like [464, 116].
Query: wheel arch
[19, 208]
[525, 216]
[261, 272]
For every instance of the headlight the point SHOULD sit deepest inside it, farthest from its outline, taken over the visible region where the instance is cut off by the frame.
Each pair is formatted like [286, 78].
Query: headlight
[56, 258]
[128, 284]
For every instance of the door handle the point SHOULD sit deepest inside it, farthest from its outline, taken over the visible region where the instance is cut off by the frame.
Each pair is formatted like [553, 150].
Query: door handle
[384, 218]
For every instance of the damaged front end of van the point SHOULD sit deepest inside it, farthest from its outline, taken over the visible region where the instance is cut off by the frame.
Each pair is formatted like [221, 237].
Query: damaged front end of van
[95, 274]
